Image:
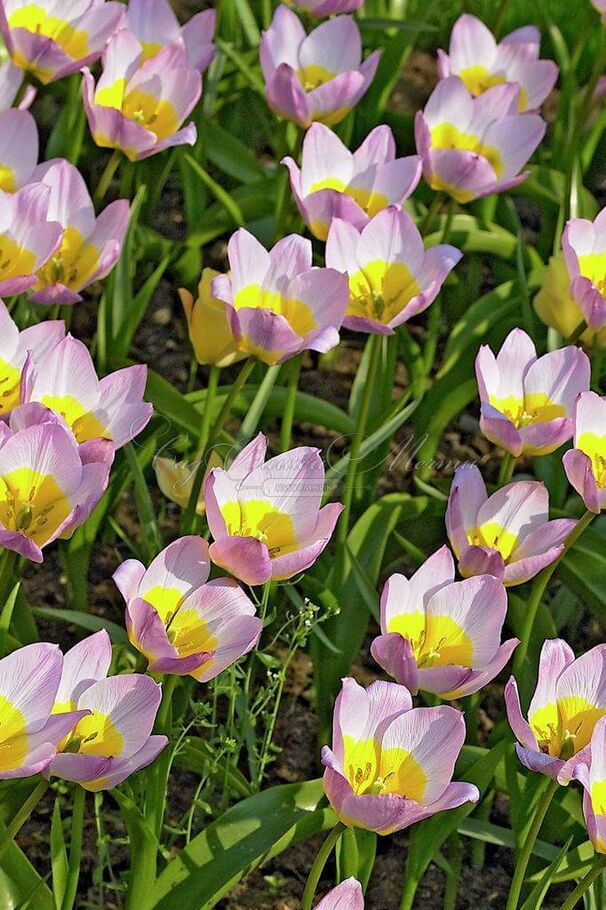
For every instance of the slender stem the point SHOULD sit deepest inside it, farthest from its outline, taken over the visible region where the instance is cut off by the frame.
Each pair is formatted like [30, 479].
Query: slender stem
[506, 469]
[158, 773]
[257, 406]
[526, 851]
[288, 413]
[22, 815]
[354, 452]
[538, 590]
[107, 176]
[75, 849]
[585, 884]
[8, 560]
[192, 503]
[500, 17]
[432, 212]
[574, 336]
[318, 866]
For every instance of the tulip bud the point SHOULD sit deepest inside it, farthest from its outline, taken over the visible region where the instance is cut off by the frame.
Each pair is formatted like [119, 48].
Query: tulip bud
[209, 325]
[556, 307]
[176, 478]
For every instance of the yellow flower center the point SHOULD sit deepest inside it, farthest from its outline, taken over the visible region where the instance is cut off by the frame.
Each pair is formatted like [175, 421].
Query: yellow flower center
[593, 267]
[381, 290]
[14, 260]
[84, 424]
[313, 76]
[260, 519]
[370, 769]
[155, 114]
[495, 537]
[437, 641]
[32, 504]
[13, 740]
[35, 19]
[72, 265]
[565, 727]
[95, 734]
[594, 447]
[10, 387]
[536, 407]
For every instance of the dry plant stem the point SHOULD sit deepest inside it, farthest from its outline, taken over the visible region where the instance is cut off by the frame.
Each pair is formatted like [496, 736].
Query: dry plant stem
[538, 590]
[18, 820]
[318, 866]
[585, 884]
[526, 851]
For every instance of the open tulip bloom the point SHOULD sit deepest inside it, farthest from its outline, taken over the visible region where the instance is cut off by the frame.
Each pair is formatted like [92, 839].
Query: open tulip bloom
[90, 246]
[51, 39]
[113, 739]
[319, 76]
[111, 408]
[569, 700]
[27, 238]
[473, 147]
[584, 245]
[391, 276]
[441, 635]
[139, 104]
[509, 534]
[476, 58]
[346, 896]
[280, 304]
[265, 517]
[18, 348]
[391, 765]
[591, 771]
[29, 732]
[333, 182]
[48, 484]
[585, 464]
[155, 25]
[181, 622]
[527, 402]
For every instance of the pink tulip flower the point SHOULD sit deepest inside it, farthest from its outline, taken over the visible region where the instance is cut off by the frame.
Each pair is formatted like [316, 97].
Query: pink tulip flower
[181, 622]
[585, 464]
[11, 80]
[319, 76]
[84, 664]
[90, 247]
[19, 148]
[441, 635]
[48, 484]
[27, 238]
[265, 517]
[527, 402]
[591, 771]
[18, 349]
[333, 182]
[29, 733]
[111, 408]
[138, 104]
[280, 304]
[346, 896]
[476, 58]
[391, 277]
[390, 764]
[113, 739]
[569, 700]
[508, 534]
[154, 25]
[584, 245]
[51, 39]
[473, 147]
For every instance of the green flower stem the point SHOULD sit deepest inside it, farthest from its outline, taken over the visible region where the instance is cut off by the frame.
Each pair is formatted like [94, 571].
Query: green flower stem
[574, 336]
[8, 560]
[107, 176]
[526, 851]
[189, 516]
[538, 590]
[432, 213]
[257, 406]
[22, 815]
[506, 469]
[500, 17]
[354, 452]
[158, 773]
[75, 849]
[291, 399]
[585, 884]
[318, 866]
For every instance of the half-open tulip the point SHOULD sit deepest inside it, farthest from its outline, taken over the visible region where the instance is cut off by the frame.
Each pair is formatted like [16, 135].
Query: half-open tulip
[319, 76]
[181, 622]
[333, 182]
[280, 304]
[585, 463]
[265, 517]
[27, 238]
[209, 324]
[90, 246]
[557, 308]
[471, 146]
[584, 245]
[391, 277]
[391, 765]
[476, 58]
[570, 698]
[29, 679]
[48, 484]
[527, 402]
[18, 149]
[441, 635]
[114, 739]
[53, 39]
[18, 348]
[111, 408]
[591, 771]
[346, 896]
[508, 534]
[138, 104]
[155, 25]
